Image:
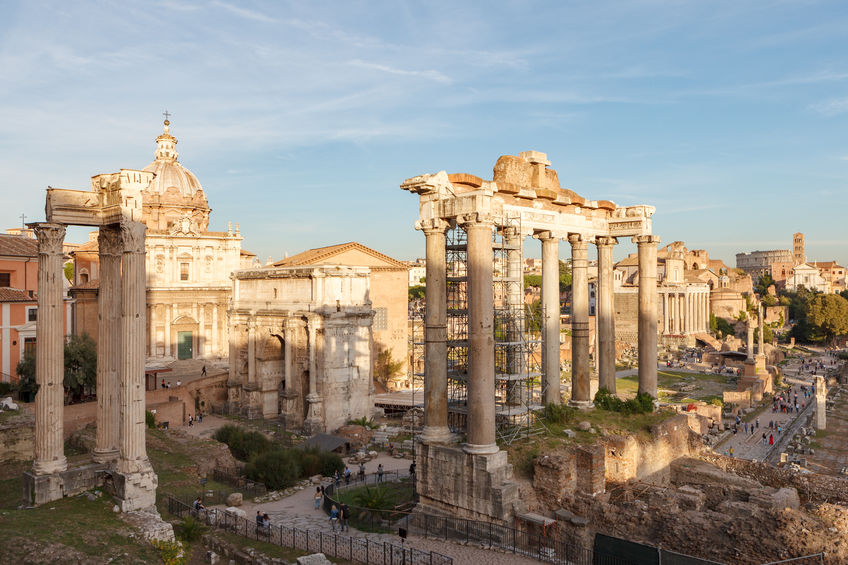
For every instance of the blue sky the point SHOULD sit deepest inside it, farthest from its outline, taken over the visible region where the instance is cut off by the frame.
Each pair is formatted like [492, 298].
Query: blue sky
[302, 118]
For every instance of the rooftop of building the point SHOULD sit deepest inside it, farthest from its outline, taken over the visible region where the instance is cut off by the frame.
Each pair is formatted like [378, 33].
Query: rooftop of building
[320, 254]
[18, 246]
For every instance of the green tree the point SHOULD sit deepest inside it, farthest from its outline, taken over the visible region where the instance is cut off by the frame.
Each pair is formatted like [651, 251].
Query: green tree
[385, 368]
[80, 365]
[417, 292]
[564, 276]
[764, 283]
[533, 280]
[69, 271]
[768, 300]
[533, 315]
[27, 387]
[844, 294]
[829, 314]
[720, 327]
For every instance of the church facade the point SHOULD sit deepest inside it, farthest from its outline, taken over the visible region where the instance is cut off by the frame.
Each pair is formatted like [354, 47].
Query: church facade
[188, 266]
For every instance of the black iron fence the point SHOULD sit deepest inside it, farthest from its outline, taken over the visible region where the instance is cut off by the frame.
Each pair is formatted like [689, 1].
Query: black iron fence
[357, 550]
[368, 519]
[248, 488]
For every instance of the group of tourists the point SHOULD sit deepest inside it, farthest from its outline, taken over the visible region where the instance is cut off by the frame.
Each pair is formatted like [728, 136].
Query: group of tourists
[340, 515]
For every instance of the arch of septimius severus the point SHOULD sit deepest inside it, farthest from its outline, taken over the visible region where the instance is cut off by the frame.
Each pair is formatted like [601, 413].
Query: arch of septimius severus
[523, 187]
[114, 205]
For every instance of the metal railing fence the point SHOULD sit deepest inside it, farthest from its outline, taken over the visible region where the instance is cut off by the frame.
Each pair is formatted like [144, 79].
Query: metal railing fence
[357, 550]
[248, 488]
[367, 519]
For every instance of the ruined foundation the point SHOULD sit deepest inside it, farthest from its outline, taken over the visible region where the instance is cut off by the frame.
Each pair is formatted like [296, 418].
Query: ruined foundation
[478, 487]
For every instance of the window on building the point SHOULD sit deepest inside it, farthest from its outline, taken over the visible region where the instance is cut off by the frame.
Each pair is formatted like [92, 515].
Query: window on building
[32, 314]
[29, 345]
[183, 271]
[381, 318]
[5, 279]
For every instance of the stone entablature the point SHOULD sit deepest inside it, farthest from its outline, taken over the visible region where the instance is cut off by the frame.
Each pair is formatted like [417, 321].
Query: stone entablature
[301, 342]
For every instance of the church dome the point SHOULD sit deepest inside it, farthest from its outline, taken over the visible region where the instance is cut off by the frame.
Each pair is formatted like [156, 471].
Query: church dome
[175, 192]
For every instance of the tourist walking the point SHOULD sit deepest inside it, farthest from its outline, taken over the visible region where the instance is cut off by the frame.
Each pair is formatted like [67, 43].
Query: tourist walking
[344, 514]
[347, 475]
[203, 371]
[334, 516]
[318, 498]
[380, 473]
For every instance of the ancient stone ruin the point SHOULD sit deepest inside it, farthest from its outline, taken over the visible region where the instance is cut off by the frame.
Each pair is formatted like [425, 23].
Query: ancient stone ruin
[523, 199]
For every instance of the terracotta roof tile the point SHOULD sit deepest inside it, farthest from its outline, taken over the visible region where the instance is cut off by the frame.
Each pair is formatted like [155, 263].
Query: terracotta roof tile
[16, 295]
[315, 256]
[18, 246]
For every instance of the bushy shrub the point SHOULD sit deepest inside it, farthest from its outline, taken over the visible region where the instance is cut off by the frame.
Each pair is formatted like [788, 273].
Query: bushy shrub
[243, 444]
[149, 419]
[558, 413]
[641, 404]
[278, 469]
[191, 529]
[316, 462]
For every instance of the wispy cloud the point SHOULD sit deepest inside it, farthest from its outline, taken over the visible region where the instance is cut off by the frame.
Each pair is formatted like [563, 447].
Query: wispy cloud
[832, 107]
[430, 74]
[245, 13]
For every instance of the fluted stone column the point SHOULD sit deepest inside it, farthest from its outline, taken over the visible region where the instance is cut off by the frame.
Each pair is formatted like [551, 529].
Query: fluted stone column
[687, 316]
[550, 318]
[49, 354]
[580, 383]
[761, 325]
[647, 250]
[251, 351]
[133, 450]
[435, 337]
[109, 331]
[481, 381]
[664, 298]
[606, 314]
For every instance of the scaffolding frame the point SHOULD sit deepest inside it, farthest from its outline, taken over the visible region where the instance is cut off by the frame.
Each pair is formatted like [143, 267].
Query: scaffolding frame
[518, 382]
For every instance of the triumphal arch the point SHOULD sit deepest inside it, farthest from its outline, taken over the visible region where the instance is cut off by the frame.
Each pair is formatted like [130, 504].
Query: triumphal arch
[523, 199]
[119, 461]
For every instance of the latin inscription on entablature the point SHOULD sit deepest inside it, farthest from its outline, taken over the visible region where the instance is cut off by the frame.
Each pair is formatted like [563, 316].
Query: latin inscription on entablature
[625, 227]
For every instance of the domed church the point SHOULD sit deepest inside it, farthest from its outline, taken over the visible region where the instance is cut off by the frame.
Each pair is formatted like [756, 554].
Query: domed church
[188, 266]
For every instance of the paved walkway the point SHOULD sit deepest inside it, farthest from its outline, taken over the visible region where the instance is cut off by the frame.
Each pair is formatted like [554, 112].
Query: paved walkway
[747, 446]
[298, 511]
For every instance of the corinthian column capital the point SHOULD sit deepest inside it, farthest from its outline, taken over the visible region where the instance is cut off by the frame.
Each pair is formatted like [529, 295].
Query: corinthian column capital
[50, 238]
[109, 241]
[606, 241]
[132, 237]
[646, 239]
[433, 225]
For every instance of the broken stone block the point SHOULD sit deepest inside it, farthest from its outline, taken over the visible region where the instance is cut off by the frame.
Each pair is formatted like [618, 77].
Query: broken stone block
[235, 499]
[584, 426]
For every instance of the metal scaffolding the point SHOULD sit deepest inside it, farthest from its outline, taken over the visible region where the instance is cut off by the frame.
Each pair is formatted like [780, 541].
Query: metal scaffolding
[518, 382]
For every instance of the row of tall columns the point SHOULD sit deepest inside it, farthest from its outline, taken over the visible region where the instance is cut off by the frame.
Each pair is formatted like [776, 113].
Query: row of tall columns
[685, 312]
[120, 353]
[481, 373]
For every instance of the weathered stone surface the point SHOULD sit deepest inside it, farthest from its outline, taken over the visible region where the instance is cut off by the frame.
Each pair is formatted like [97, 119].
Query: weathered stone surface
[150, 525]
[584, 426]
[314, 559]
[235, 499]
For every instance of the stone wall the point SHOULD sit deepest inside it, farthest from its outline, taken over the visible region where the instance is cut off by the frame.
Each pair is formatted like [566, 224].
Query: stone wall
[477, 487]
[17, 436]
[810, 486]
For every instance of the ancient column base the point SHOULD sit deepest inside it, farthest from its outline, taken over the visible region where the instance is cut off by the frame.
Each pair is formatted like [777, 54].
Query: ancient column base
[474, 449]
[452, 482]
[750, 368]
[437, 435]
[581, 404]
[312, 426]
[50, 467]
[105, 455]
[150, 524]
[136, 490]
[39, 489]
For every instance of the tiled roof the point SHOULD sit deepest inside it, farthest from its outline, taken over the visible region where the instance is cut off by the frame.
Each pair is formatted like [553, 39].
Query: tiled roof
[16, 295]
[315, 256]
[18, 246]
[92, 284]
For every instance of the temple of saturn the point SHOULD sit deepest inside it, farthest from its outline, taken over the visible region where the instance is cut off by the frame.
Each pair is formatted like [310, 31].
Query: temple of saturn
[119, 461]
[523, 199]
